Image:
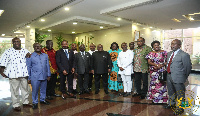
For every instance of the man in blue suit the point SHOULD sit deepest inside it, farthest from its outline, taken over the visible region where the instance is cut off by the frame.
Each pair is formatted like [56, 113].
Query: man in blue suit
[39, 73]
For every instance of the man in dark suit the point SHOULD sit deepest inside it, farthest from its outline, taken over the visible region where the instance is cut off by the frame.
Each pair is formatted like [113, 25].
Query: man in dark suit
[178, 68]
[65, 62]
[82, 68]
[101, 66]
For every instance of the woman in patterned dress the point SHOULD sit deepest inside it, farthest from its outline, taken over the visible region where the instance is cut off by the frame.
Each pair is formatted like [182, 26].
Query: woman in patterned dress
[157, 61]
[113, 85]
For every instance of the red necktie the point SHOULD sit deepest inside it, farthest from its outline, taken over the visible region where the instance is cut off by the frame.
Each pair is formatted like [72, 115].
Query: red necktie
[168, 67]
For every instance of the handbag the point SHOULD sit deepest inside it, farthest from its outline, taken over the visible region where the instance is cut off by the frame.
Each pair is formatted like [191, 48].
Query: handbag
[119, 78]
[162, 76]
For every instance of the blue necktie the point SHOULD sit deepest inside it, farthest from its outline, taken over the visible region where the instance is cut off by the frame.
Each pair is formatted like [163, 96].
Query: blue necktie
[66, 53]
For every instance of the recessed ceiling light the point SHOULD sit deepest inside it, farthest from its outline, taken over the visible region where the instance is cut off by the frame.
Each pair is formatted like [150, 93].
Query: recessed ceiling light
[49, 30]
[1, 12]
[42, 20]
[144, 28]
[20, 35]
[28, 26]
[73, 32]
[119, 19]
[3, 34]
[191, 18]
[74, 23]
[66, 8]
[101, 27]
[150, 27]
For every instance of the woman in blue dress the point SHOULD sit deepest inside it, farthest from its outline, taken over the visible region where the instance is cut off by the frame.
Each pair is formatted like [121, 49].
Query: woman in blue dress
[113, 85]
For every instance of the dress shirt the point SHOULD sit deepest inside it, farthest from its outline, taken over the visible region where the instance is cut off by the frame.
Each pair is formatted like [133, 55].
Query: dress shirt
[15, 63]
[66, 50]
[91, 52]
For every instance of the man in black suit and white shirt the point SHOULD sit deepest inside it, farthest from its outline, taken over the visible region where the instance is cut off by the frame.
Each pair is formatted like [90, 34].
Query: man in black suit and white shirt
[82, 68]
[178, 67]
[65, 62]
[101, 66]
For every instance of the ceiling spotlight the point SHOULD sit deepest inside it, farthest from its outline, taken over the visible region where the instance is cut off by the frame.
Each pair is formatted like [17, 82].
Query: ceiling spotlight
[42, 20]
[118, 19]
[28, 26]
[74, 23]
[150, 27]
[66, 8]
[3, 34]
[73, 32]
[191, 18]
[49, 30]
[101, 27]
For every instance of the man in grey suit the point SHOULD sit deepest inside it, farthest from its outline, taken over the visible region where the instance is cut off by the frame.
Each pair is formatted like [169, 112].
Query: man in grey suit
[178, 69]
[82, 68]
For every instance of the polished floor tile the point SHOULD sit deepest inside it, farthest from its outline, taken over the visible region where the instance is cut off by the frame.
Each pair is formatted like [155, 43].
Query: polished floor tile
[101, 104]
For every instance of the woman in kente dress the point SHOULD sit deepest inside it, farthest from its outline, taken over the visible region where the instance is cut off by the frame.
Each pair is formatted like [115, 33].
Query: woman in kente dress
[157, 61]
[113, 85]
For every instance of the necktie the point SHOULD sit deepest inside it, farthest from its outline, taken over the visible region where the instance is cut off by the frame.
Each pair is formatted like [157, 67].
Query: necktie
[170, 61]
[66, 53]
[82, 53]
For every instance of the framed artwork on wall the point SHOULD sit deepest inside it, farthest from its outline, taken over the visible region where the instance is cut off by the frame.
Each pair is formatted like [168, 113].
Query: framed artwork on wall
[137, 35]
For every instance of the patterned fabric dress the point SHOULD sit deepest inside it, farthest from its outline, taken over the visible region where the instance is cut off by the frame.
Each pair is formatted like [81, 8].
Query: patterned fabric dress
[157, 89]
[112, 81]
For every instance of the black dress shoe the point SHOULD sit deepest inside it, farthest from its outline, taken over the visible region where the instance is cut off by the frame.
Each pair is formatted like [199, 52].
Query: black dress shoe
[122, 93]
[64, 96]
[45, 102]
[27, 105]
[18, 109]
[49, 98]
[106, 91]
[35, 106]
[87, 91]
[136, 94]
[57, 95]
[90, 89]
[142, 97]
[127, 94]
[169, 106]
[178, 111]
[96, 92]
[81, 92]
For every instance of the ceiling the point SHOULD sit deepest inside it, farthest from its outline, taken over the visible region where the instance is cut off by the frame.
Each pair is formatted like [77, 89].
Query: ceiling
[91, 14]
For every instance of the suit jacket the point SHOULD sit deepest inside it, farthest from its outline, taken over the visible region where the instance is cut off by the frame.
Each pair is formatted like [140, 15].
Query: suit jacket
[101, 62]
[82, 65]
[180, 66]
[38, 66]
[63, 62]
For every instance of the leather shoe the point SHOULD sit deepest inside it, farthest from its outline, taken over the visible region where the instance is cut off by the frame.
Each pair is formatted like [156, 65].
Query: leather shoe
[126, 94]
[45, 102]
[64, 96]
[57, 95]
[169, 106]
[87, 91]
[27, 105]
[142, 97]
[49, 98]
[122, 93]
[81, 92]
[136, 94]
[35, 106]
[72, 95]
[106, 91]
[18, 109]
[96, 92]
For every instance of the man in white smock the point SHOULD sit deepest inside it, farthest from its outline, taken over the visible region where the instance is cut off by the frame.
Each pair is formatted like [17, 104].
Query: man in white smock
[124, 62]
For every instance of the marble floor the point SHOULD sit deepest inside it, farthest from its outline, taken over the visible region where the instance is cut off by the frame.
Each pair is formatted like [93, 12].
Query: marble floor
[101, 104]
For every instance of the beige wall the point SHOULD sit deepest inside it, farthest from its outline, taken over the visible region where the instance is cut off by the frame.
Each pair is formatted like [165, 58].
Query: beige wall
[65, 37]
[106, 37]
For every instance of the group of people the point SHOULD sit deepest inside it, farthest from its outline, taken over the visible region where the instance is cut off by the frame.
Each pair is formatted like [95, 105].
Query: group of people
[41, 67]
